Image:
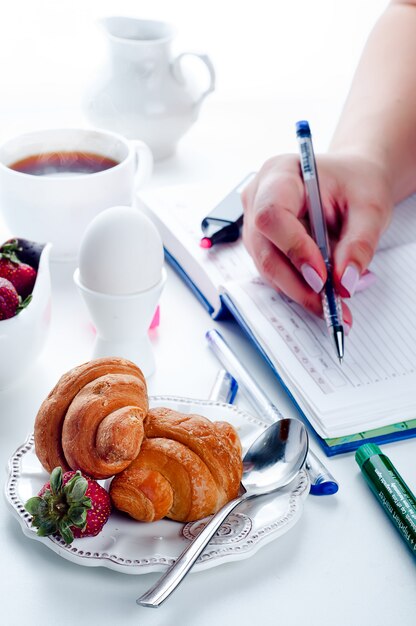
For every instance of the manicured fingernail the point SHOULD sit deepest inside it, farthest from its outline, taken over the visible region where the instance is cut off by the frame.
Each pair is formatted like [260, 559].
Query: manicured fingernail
[347, 328]
[350, 279]
[312, 277]
[366, 281]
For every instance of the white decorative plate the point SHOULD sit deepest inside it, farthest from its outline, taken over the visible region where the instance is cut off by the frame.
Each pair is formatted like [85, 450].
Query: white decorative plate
[133, 547]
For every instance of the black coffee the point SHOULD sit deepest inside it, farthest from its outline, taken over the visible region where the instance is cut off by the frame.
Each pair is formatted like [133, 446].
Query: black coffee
[63, 164]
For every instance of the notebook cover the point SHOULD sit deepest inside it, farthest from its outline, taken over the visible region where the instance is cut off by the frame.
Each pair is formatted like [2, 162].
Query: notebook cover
[222, 313]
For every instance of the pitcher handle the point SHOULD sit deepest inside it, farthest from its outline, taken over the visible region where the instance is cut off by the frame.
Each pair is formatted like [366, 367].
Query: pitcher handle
[144, 162]
[176, 70]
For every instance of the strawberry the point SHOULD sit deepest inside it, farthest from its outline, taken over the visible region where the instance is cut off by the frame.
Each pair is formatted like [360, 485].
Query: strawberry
[22, 276]
[71, 505]
[24, 279]
[9, 299]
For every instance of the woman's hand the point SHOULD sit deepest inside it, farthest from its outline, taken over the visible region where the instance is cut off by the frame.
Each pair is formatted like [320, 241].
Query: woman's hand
[357, 203]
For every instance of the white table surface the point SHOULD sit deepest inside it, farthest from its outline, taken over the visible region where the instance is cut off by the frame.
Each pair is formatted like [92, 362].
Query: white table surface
[343, 563]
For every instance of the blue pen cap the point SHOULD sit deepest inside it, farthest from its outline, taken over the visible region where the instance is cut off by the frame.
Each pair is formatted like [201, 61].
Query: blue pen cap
[324, 487]
[302, 129]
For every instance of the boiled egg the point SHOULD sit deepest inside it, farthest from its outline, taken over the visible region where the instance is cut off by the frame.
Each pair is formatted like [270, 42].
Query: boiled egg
[121, 252]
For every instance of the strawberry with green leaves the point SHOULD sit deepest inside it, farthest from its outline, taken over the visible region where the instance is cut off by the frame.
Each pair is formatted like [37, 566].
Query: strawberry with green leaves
[71, 505]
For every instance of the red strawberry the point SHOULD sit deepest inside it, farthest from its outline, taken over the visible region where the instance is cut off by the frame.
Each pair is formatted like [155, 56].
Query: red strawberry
[9, 299]
[71, 505]
[20, 274]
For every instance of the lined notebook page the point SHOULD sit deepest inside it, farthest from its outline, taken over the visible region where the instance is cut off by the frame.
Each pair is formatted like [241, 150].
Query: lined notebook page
[384, 337]
[373, 387]
[402, 228]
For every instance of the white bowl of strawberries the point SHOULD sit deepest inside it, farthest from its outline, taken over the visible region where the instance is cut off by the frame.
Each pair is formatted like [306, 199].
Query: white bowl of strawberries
[25, 302]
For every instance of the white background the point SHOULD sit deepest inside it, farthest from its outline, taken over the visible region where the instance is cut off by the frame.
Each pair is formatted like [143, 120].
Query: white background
[276, 62]
[296, 51]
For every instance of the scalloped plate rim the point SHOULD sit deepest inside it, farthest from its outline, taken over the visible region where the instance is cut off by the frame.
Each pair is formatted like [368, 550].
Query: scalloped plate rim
[159, 563]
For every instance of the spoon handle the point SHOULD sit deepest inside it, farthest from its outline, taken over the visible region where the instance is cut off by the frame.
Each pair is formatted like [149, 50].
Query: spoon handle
[167, 583]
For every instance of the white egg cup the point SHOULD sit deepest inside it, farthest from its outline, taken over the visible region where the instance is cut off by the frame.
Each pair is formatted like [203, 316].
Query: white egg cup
[122, 323]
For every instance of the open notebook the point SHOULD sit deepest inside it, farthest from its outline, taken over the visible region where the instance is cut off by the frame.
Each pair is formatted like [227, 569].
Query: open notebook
[372, 395]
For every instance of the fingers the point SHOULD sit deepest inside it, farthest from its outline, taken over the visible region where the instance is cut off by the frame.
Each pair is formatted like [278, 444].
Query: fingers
[361, 232]
[281, 246]
[273, 205]
[281, 275]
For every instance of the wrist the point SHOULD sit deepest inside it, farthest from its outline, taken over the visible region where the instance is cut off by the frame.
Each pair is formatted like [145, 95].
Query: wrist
[375, 159]
[374, 154]
[393, 163]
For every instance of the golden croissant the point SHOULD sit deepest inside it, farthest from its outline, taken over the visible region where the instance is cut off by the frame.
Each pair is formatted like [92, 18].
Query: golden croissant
[92, 419]
[187, 468]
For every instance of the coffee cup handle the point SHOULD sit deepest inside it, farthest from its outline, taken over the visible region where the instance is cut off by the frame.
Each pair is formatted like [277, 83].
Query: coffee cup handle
[144, 162]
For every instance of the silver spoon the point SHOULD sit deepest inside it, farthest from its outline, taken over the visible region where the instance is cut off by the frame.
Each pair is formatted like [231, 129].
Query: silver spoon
[271, 462]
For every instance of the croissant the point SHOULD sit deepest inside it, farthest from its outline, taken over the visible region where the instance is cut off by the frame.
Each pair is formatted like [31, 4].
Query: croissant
[92, 419]
[188, 467]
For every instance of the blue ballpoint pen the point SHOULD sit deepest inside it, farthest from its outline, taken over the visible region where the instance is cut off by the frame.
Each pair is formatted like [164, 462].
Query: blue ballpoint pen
[322, 481]
[331, 303]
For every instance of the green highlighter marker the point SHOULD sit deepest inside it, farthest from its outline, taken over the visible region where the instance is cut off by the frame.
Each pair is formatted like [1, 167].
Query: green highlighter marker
[390, 490]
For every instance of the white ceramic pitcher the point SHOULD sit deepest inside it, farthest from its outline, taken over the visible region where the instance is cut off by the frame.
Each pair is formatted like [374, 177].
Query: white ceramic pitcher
[142, 92]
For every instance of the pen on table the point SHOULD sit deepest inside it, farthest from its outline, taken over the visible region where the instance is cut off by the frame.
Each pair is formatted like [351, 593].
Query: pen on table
[391, 491]
[225, 387]
[223, 223]
[322, 482]
[331, 302]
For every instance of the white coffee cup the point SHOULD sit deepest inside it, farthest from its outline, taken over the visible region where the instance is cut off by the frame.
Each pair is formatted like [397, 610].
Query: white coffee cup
[57, 208]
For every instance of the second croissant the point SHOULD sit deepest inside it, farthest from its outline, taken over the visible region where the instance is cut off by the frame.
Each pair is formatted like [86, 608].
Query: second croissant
[188, 467]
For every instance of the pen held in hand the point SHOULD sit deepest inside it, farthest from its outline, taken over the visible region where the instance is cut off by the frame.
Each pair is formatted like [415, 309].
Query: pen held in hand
[331, 302]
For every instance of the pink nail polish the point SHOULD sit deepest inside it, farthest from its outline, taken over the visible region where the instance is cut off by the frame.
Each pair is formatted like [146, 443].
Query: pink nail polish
[366, 281]
[312, 277]
[350, 279]
[346, 328]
